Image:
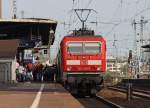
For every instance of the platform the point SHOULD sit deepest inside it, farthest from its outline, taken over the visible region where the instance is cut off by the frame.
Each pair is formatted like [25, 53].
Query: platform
[36, 95]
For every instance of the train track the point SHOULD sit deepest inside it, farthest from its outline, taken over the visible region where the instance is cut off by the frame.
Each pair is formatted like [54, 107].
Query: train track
[135, 92]
[97, 102]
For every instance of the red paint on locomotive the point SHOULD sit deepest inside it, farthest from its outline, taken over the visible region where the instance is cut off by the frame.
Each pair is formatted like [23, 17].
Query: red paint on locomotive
[83, 61]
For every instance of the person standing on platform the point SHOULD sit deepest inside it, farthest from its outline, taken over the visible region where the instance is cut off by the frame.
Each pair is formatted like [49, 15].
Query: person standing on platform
[29, 71]
[41, 72]
[21, 71]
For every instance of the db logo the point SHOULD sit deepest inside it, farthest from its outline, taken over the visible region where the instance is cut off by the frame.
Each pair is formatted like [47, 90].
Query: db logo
[84, 62]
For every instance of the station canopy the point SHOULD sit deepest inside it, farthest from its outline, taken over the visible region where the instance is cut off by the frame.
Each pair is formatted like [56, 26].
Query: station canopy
[28, 30]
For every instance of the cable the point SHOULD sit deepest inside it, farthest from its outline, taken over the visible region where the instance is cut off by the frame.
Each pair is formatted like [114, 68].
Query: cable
[73, 4]
[116, 24]
[119, 8]
[112, 28]
[90, 1]
[78, 3]
[133, 2]
[140, 12]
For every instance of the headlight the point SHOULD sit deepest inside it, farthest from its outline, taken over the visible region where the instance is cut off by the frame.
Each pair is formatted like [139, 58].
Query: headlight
[68, 68]
[94, 62]
[98, 68]
[73, 62]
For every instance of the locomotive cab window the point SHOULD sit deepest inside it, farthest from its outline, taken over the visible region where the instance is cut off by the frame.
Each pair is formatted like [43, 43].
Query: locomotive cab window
[74, 48]
[92, 48]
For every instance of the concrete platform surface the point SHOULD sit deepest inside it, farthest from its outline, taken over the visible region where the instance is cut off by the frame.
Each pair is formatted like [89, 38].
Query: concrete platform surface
[36, 95]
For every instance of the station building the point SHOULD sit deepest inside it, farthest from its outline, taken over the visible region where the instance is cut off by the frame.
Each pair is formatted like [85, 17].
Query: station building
[30, 35]
[8, 60]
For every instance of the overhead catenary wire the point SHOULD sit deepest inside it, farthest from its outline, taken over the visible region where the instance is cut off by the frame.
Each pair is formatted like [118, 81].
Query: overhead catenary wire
[70, 18]
[116, 24]
[129, 19]
[113, 24]
[90, 1]
[139, 13]
[73, 21]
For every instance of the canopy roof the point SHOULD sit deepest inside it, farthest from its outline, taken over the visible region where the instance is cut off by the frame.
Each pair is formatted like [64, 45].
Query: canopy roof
[27, 29]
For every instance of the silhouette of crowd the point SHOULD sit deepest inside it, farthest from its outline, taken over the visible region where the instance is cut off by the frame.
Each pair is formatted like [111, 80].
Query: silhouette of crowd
[34, 72]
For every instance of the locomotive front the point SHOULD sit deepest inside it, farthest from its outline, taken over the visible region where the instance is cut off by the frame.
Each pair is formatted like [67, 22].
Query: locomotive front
[84, 63]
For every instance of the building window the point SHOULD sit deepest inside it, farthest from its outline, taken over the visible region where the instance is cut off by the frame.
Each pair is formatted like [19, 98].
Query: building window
[45, 51]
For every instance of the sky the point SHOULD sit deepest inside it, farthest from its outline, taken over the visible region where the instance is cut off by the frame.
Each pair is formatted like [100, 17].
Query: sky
[114, 19]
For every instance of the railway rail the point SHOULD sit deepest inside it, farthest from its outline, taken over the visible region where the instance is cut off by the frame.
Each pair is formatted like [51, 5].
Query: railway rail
[97, 102]
[135, 92]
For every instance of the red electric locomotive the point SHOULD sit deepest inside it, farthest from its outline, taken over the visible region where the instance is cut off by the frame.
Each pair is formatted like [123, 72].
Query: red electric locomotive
[81, 63]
